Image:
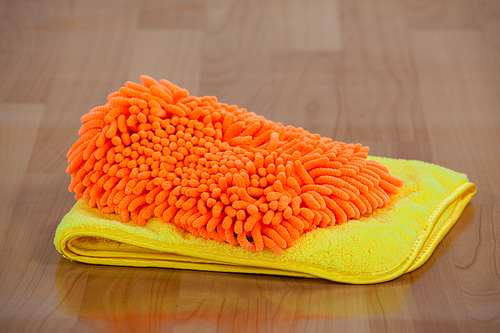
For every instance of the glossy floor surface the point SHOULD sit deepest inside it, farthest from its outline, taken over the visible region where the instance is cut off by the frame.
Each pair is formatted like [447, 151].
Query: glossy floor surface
[411, 79]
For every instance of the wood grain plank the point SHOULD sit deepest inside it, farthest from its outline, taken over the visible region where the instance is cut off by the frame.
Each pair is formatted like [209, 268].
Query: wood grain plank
[28, 259]
[172, 55]
[308, 26]
[28, 54]
[376, 77]
[443, 307]
[219, 302]
[18, 129]
[121, 299]
[94, 64]
[279, 60]
[451, 14]
[306, 93]
[475, 251]
[461, 103]
[487, 13]
[179, 14]
[237, 54]
[297, 307]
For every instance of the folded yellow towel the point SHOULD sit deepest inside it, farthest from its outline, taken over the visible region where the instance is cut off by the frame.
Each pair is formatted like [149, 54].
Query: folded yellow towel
[377, 247]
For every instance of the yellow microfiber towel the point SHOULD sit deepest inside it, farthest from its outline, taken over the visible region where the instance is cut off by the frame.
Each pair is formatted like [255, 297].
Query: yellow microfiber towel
[376, 247]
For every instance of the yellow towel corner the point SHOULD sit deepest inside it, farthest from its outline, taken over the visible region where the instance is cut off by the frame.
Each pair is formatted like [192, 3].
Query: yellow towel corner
[377, 247]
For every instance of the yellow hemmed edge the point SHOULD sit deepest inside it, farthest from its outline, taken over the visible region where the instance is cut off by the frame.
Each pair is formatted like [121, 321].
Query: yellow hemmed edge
[445, 215]
[151, 254]
[179, 258]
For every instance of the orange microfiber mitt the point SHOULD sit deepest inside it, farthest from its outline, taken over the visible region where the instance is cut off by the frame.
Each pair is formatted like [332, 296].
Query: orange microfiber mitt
[219, 171]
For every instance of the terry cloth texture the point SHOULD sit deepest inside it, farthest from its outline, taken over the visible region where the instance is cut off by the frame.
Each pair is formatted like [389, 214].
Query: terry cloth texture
[377, 247]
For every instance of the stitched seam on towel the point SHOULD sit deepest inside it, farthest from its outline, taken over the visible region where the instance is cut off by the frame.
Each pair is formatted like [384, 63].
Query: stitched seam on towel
[438, 231]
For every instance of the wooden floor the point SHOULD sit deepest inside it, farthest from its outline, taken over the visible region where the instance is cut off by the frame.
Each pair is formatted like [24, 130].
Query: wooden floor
[411, 79]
